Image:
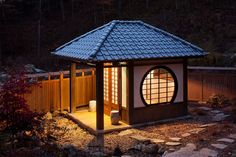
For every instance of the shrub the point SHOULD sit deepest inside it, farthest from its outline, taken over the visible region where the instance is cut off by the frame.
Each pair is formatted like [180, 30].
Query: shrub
[217, 101]
[13, 107]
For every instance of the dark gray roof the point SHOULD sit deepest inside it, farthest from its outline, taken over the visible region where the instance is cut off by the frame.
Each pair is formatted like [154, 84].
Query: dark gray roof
[127, 40]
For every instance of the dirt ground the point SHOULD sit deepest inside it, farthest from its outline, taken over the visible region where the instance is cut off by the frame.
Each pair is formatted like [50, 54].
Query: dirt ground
[59, 136]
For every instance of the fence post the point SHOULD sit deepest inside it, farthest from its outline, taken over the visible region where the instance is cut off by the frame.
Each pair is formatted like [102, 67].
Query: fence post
[60, 92]
[49, 93]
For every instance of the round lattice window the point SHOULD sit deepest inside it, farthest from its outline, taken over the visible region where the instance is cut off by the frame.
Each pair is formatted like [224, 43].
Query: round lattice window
[158, 86]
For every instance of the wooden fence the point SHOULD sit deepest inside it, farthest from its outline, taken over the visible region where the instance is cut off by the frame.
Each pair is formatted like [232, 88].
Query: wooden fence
[54, 94]
[206, 81]
[53, 91]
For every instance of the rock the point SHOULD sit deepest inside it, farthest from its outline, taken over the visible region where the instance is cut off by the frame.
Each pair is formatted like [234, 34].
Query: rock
[126, 156]
[28, 133]
[189, 151]
[207, 125]
[48, 116]
[99, 154]
[126, 132]
[140, 138]
[139, 147]
[215, 111]
[225, 140]
[172, 143]
[150, 148]
[219, 146]
[206, 152]
[205, 108]
[196, 130]
[232, 136]
[157, 141]
[186, 151]
[55, 113]
[117, 152]
[176, 139]
[185, 134]
[71, 150]
[161, 150]
[219, 117]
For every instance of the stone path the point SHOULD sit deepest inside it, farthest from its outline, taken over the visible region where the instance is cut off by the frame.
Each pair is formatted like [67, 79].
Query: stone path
[189, 151]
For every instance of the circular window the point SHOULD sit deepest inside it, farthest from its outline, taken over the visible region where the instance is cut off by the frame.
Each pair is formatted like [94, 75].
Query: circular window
[158, 86]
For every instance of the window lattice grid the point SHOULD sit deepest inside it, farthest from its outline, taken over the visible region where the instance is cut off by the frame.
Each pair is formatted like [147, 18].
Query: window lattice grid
[158, 86]
[114, 95]
[106, 84]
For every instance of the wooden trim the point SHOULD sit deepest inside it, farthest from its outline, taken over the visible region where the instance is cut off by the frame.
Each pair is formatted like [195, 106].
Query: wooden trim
[185, 82]
[130, 91]
[72, 87]
[99, 97]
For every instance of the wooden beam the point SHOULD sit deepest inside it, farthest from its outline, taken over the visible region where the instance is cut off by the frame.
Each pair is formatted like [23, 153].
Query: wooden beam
[72, 87]
[99, 97]
[130, 91]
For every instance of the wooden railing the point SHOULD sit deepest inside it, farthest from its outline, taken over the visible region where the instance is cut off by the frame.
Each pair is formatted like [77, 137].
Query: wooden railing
[53, 91]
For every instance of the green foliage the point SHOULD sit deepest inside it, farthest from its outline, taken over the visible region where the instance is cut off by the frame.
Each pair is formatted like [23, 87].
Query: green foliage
[218, 100]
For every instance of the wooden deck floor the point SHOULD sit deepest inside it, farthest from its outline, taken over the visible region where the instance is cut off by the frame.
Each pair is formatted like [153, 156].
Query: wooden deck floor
[87, 120]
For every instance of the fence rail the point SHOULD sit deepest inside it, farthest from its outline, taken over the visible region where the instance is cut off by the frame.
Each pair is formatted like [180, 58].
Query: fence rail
[53, 91]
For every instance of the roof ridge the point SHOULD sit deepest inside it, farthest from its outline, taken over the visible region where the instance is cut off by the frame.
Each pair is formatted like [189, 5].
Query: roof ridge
[99, 45]
[172, 35]
[81, 36]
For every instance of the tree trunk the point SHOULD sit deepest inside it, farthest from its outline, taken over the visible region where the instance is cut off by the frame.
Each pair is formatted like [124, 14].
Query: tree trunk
[39, 29]
[62, 10]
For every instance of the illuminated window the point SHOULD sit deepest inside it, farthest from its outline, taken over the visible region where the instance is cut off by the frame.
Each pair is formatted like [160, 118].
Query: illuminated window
[158, 86]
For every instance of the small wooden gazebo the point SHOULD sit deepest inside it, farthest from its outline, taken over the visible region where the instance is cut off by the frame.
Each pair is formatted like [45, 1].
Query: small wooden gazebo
[141, 71]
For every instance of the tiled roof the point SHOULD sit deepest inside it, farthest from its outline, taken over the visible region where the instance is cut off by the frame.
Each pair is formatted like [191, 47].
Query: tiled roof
[127, 40]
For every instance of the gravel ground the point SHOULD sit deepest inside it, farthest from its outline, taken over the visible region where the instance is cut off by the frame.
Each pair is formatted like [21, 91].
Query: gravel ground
[60, 136]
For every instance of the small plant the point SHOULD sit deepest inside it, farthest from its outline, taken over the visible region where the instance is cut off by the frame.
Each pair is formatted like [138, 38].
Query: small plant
[13, 107]
[218, 101]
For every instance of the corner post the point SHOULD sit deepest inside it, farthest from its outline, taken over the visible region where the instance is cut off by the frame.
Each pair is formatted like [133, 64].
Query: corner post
[130, 91]
[72, 87]
[99, 97]
[185, 81]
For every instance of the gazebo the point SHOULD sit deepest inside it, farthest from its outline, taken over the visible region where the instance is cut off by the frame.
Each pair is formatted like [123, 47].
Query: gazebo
[141, 71]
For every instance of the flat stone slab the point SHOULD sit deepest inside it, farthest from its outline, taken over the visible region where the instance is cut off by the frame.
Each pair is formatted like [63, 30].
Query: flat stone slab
[140, 138]
[219, 146]
[205, 108]
[172, 143]
[205, 152]
[157, 141]
[126, 132]
[215, 111]
[176, 139]
[228, 140]
[185, 134]
[207, 125]
[232, 136]
[196, 130]
[189, 151]
[219, 117]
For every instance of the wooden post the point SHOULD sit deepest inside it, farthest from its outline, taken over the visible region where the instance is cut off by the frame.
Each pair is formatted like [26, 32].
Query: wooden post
[130, 91]
[99, 97]
[72, 87]
[185, 83]
[61, 95]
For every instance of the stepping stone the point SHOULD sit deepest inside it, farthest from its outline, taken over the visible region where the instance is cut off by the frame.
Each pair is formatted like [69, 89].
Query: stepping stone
[126, 132]
[196, 130]
[219, 146]
[215, 111]
[205, 108]
[172, 143]
[225, 140]
[206, 152]
[232, 136]
[157, 141]
[140, 138]
[176, 139]
[219, 117]
[207, 125]
[185, 134]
